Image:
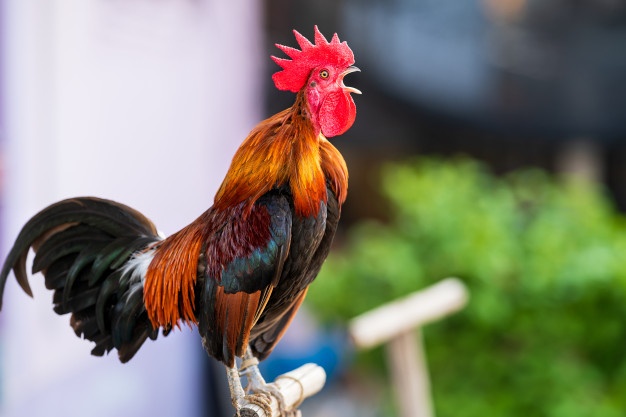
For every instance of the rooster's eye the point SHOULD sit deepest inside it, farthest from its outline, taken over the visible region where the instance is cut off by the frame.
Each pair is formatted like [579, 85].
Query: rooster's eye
[324, 74]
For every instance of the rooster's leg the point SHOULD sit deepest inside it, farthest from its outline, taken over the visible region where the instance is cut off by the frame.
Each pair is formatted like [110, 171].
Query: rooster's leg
[241, 401]
[237, 393]
[250, 369]
[256, 383]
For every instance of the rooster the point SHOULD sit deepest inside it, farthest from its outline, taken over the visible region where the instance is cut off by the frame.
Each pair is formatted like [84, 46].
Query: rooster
[241, 270]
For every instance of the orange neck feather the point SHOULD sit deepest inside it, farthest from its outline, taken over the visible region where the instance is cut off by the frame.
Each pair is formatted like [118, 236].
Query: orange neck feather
[284, 149]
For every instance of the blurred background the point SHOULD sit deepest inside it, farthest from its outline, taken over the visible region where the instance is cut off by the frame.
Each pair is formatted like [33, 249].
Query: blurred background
[489, 145]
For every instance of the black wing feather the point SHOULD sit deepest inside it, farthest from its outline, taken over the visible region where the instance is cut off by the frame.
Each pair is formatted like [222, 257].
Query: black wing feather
[259, 271]
[311, 241]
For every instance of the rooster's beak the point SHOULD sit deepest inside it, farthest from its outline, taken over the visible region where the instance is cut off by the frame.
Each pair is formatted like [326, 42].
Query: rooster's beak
[346, 72]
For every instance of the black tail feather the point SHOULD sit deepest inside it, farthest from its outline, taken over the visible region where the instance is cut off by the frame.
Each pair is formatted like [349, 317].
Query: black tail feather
[85, 324]
[126, 312]
[82, 245]
[128, 350]
[108, 289]
[104, 344]
[56, 274]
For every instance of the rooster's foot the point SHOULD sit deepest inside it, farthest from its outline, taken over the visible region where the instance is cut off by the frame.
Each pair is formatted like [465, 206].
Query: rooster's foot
[257, 386]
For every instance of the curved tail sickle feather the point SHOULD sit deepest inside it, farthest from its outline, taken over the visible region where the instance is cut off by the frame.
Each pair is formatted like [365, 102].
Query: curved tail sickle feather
[82, 245]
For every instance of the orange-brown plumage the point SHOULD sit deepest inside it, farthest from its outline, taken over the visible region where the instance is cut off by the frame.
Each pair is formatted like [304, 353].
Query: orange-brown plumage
[170, 281]
[241, 270]
[237, 311]
[270, 156]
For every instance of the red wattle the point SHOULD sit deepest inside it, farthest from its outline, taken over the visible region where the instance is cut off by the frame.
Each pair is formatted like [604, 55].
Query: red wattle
[337, 113]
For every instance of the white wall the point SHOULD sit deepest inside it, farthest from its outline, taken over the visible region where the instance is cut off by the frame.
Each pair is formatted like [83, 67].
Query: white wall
[140, 101]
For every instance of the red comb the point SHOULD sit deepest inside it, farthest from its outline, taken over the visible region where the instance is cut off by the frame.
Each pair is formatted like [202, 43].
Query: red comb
[297, 69]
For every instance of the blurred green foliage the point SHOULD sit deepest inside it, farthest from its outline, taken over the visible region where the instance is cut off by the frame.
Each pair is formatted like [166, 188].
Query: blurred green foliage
[544, 333]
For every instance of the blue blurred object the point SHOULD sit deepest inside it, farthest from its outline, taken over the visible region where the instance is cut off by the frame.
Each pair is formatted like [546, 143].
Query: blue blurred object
[305, 342]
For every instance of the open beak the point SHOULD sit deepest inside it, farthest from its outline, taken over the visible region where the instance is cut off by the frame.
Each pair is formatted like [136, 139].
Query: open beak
[346, 72]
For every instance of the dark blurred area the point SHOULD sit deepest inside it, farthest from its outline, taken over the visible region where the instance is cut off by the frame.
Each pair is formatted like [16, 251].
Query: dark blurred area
[512, 83]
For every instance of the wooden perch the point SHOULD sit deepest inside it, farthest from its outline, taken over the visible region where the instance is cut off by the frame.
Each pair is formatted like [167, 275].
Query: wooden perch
[398, 324]
[294, 386]
[400, 316]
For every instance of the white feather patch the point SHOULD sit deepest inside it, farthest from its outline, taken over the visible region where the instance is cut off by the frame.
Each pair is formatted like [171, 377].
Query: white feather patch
[137, 266]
